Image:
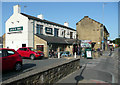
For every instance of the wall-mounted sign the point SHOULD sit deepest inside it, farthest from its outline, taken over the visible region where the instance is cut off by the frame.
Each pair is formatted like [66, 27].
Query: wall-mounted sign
[85, 43]
[16, 29]
[48, 30]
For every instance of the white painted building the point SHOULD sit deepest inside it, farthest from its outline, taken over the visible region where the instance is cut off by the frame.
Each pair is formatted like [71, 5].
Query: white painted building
[20, 29]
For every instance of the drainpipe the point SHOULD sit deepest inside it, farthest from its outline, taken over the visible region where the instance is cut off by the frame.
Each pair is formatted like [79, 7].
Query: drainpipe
[33, 31]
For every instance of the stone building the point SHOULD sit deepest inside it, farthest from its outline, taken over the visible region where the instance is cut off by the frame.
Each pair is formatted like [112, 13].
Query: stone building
[89, 29]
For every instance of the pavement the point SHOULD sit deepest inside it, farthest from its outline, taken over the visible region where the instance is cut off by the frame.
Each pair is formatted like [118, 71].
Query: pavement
[103, 69]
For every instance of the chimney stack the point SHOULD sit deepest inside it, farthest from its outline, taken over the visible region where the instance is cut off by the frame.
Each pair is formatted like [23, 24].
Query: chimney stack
[16, 9]
[66, 24]
[40, 16]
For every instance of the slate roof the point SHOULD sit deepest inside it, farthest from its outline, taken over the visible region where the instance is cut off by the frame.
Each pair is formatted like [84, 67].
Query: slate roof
[56, 40]
[46, 21]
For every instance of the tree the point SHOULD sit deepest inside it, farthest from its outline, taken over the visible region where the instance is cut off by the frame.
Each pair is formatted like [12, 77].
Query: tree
[117, 41]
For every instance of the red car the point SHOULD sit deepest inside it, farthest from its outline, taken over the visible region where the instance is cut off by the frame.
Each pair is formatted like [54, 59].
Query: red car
[29, 52]
[10, 59]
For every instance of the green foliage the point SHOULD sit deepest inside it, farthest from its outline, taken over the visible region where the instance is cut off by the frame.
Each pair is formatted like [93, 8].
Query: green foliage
[117, 41]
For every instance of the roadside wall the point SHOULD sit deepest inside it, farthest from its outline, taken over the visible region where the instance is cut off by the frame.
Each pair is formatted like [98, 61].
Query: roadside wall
[49, 76]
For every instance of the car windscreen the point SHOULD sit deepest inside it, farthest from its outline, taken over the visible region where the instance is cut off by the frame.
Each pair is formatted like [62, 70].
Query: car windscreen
[31, 49]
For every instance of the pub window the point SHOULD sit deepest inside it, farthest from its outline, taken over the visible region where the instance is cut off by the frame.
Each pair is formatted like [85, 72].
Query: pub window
[39, 29]
[64, 33]
[56, 32]
[23, 45]
[40, 47]
[71, 35]
[48, 30]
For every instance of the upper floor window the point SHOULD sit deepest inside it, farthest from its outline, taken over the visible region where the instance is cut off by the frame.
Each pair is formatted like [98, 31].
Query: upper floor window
[56, 32]
[64, 33]
[39, 29]
[71, 35]
[48, 30]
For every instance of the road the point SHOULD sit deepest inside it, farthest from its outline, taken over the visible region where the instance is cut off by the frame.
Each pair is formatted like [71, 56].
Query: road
[29, 65]
[104, 69]
[100, 70]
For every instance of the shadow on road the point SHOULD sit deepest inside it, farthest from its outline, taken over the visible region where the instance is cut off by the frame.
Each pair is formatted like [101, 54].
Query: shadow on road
[9, 74]
[80, 77]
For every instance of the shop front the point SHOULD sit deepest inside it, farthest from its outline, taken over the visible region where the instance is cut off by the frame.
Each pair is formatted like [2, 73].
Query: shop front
[49, 43]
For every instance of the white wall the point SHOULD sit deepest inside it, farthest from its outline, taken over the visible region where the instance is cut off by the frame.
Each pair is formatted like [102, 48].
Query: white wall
[30, 32]
[60, 30]
[15, 40]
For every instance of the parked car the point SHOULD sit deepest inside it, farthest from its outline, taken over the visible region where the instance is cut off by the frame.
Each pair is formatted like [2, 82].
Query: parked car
[10, 59]
[29, 52]
[66, 54]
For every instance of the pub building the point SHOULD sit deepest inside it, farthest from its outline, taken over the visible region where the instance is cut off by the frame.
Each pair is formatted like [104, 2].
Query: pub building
[23, 30]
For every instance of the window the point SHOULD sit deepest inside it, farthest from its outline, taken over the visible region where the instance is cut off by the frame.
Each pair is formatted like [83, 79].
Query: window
[23, 45]
[64, 33]
[71, 35]
[56, 32]
[31, 49]
[21, 49]
[40, 47]
[10, 52]
[39, 29]
[25, 49]
[48, 30]
[3, 53]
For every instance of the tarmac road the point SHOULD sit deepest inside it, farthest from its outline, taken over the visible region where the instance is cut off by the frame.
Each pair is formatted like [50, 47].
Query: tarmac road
[100, 70]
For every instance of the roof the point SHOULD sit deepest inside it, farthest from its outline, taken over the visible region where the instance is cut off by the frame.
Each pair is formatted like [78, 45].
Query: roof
[56, 40]
[46, 21]
[94, 21]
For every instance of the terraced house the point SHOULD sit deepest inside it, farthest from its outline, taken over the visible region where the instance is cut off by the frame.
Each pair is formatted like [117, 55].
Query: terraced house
[23, 30]
[89, 29]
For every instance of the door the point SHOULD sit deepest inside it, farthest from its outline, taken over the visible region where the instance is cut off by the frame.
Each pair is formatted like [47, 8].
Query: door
[7, 59]
[23, 45]
[26, 52]
[21, 51]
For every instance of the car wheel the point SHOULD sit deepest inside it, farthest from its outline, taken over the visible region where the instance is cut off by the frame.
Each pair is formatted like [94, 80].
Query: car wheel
[32, 57]
[18, 66]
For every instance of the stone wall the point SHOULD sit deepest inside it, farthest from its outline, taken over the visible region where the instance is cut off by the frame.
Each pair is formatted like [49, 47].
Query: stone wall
[39, 41]
[48, 76]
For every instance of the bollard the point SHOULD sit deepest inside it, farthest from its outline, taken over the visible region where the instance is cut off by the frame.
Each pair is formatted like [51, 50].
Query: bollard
[58, 54]
[75, 55]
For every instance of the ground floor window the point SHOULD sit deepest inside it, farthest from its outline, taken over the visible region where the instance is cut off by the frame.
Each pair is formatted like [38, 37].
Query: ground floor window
[23, 45]
[40, 47]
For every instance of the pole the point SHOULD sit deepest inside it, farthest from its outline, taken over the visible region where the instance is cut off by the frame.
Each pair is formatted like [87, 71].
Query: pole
[103, 29]
[75, 55]
[33, 31]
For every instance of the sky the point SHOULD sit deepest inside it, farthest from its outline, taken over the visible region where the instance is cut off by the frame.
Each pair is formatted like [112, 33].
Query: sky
[71, 12]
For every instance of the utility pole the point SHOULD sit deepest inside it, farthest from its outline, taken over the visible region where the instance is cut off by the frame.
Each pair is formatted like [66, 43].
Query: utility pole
[103, 27]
